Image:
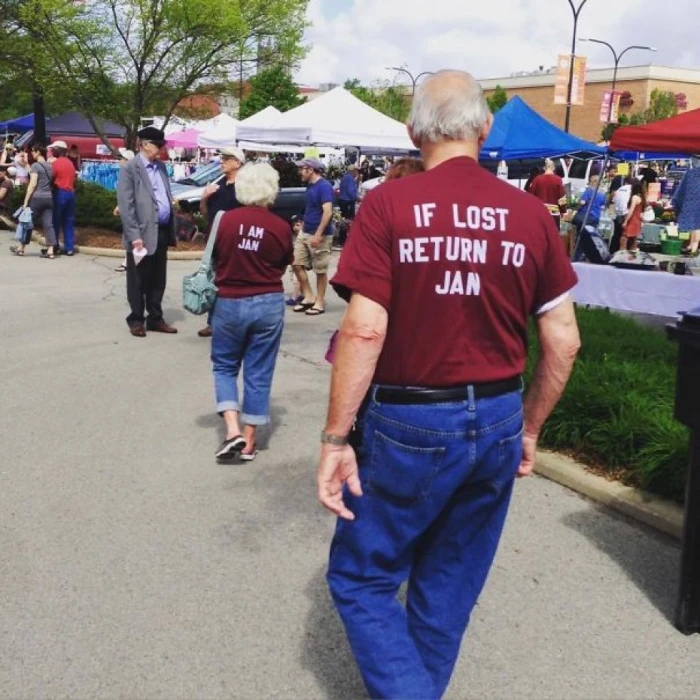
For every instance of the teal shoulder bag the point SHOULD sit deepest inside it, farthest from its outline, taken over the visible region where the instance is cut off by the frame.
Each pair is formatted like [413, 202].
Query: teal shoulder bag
[198, 289]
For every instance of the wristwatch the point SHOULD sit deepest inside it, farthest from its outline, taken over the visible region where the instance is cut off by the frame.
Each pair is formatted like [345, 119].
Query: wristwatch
[328, 439]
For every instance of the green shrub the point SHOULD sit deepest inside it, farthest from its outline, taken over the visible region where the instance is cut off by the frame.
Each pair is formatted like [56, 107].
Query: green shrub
[617, 410]
[94, 206]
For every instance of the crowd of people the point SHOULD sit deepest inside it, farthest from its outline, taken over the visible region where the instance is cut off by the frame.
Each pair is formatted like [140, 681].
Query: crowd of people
[625, 196]
[50, 175]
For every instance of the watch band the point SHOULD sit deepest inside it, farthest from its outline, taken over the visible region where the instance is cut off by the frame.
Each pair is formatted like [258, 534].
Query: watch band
[328, 439]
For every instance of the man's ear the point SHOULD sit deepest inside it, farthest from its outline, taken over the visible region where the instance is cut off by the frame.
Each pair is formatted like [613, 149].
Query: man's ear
[415, 141]
[485, 130]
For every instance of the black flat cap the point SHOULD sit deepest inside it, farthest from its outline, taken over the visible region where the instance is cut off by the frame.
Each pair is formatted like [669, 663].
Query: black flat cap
[150, 133]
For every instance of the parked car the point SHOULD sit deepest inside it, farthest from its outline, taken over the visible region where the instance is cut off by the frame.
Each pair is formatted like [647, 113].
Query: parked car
[290, 201]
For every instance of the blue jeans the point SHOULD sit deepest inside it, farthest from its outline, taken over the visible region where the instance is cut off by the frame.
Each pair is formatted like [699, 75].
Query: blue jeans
[437, 481]
[64, 218]
[246, 332]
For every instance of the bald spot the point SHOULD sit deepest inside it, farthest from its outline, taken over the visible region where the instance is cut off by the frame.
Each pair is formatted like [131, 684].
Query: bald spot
[439, 86]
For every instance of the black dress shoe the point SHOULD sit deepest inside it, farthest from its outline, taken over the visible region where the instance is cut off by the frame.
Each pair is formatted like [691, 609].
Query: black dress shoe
[162, 327]
[137, 330]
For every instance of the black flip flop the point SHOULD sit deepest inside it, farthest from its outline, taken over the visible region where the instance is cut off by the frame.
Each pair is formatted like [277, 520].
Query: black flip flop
[303, 306]
[313, 311]
[231, 447]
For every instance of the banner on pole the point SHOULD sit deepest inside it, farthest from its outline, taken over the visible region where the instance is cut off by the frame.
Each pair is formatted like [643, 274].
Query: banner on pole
[609, 96]
[578, 82]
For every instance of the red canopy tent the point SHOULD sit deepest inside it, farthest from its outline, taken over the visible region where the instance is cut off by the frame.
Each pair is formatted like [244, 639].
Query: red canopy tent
[679, 134]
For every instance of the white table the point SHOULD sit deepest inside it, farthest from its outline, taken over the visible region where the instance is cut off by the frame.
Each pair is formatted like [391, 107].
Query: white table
[656, 293]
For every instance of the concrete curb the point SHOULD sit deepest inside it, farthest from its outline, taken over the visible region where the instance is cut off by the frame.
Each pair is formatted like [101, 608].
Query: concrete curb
[651, 510]
[119, 253]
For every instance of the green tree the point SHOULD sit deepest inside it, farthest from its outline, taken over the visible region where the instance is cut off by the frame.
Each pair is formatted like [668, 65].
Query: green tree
[662, 105]
[127, 59]
[382, 96]
[497, 100]
[273, 86]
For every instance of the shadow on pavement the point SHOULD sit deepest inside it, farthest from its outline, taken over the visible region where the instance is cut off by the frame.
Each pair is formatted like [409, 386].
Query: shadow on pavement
[650, 559]
[326, 652]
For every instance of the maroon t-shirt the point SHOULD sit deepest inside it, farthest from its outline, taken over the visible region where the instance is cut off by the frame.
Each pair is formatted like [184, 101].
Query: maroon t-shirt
[460, 260]
[252, 251]
[549, 188]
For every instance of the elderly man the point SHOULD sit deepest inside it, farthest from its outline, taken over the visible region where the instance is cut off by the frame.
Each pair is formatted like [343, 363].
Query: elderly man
[549, 188]
[221, 196]
[442, 270]
[312, 249]
[148, 221]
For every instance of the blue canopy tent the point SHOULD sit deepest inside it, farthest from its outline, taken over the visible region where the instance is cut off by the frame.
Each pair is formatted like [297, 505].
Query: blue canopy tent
[19, 125]
[75, 124]
[519, 132]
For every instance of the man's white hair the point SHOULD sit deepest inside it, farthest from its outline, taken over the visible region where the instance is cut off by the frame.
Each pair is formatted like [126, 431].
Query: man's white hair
[257, 185]
[448, 106]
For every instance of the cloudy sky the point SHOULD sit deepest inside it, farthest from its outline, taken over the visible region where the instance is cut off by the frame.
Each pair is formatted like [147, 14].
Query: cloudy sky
[360, 38]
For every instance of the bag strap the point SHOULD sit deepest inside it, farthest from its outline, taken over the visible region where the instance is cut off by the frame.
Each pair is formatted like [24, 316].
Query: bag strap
[208, 251]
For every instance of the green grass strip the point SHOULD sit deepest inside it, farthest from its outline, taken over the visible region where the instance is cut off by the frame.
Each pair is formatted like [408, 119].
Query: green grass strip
[617, 410]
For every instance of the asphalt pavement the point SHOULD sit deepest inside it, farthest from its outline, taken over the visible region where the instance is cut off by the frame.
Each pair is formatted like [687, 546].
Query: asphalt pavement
[134, 566]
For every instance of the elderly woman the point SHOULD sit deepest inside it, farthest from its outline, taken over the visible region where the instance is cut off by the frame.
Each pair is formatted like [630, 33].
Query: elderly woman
[252, 250]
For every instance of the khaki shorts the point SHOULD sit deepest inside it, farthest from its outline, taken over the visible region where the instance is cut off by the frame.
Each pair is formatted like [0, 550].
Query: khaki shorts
[307, 257]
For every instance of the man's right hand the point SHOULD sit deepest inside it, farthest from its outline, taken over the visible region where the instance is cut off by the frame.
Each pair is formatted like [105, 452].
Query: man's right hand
[137, 244]
[210, 189]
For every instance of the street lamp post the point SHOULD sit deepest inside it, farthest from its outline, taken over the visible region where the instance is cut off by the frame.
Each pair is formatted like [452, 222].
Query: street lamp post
[414, 81]
[617, 58]
[576, 11]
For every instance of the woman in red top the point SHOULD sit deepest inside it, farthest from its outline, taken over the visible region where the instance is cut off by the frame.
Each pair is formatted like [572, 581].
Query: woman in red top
[252, 251]
[632, 225]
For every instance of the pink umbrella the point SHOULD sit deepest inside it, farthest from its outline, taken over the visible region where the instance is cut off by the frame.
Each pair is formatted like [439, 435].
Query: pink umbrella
[183, 139]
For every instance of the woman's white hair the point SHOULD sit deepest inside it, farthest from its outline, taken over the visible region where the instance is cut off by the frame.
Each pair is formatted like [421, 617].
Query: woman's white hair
[257, 185]
[448, 106]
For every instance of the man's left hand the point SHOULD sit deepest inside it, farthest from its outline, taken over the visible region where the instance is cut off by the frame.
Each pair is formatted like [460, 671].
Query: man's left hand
[338, 466]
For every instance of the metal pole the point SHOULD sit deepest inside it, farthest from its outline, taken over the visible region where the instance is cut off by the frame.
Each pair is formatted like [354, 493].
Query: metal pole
[614, 84]
[570, 87]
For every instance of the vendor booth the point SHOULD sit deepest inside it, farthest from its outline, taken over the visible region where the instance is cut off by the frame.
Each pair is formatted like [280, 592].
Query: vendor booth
[76, 129]
[221, 133]
[18, 125]
[624, 284]
[337, 118]
[676, 135]
[519, 132]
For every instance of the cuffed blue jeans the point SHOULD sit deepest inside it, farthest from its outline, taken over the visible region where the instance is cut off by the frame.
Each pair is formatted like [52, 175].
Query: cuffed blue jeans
[246, 332]
[64, 218]
[437, 481]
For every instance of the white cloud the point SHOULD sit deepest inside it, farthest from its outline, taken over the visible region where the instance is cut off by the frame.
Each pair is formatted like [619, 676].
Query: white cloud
[360, 38]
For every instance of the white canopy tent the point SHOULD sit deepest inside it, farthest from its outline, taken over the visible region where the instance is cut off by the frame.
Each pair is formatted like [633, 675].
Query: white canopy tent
[337, 118]
[270, 116]
[218, 132]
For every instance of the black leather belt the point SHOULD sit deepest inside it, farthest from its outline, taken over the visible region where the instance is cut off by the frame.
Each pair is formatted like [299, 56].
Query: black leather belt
[418, 395]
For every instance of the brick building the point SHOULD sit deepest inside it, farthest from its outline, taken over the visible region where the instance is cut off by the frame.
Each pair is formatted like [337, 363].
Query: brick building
[537, 89]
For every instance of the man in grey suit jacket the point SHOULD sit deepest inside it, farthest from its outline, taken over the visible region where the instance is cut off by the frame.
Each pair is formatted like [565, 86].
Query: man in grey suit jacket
[148, 222]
